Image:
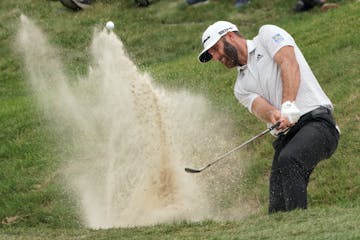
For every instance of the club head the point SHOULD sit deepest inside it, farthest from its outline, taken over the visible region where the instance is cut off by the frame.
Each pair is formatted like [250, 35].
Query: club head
[190, 170]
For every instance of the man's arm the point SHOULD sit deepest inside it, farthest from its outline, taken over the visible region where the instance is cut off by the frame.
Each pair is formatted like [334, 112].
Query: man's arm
[265, 111]
[290, 75]
[290, 72]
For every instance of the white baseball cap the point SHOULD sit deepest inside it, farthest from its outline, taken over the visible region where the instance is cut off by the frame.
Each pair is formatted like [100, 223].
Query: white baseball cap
[212, 35]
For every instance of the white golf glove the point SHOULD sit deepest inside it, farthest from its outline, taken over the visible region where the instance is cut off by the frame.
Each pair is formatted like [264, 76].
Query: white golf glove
[289, 110]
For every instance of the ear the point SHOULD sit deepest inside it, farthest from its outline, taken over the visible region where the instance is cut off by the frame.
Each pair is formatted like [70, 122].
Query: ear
[231, 36]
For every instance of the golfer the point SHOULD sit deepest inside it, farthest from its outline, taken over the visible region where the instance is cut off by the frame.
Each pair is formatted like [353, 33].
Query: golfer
[276, 84]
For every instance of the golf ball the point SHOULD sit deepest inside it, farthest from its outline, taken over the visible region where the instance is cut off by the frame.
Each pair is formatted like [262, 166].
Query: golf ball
[110, 25]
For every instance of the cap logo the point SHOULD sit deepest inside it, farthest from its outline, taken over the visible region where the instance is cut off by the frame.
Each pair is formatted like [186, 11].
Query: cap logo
[225, 30]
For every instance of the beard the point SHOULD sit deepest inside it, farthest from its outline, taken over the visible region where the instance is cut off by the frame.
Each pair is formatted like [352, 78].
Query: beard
[231, 57]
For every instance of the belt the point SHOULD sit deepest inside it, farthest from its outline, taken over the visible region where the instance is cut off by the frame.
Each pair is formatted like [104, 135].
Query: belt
[318, 111]
[321, 112]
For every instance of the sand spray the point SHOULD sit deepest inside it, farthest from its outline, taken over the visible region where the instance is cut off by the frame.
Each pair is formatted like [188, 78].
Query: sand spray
[130, 139]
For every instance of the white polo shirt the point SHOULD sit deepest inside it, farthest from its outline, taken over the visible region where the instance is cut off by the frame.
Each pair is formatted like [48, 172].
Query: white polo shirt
[262, 76]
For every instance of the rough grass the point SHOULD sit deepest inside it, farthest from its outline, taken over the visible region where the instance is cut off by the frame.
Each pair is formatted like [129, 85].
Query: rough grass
[164, 39]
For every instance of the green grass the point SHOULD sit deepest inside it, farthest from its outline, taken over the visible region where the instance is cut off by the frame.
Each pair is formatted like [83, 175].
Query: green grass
[164, 39]
[318, 223]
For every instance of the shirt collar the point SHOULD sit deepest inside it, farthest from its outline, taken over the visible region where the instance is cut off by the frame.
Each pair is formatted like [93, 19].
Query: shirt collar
[250, 46]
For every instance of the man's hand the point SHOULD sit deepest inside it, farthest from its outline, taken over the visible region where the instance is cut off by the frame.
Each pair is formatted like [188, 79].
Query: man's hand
[287, 116]
[276, 117]
[290, 111]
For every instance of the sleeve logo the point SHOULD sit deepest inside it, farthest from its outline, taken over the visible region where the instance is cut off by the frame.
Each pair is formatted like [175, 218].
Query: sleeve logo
[278, 38]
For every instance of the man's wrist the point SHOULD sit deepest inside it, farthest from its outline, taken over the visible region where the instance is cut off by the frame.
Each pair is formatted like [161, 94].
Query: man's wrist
[290, 111]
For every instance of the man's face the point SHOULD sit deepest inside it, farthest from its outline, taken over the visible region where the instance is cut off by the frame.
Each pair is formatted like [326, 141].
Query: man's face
[225, 52]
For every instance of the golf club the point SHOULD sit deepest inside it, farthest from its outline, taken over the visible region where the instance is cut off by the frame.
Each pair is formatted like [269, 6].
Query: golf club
[192, 170]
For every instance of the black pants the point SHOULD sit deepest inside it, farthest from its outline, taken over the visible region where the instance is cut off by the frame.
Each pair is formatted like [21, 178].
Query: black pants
[313, 138]
[304, 5]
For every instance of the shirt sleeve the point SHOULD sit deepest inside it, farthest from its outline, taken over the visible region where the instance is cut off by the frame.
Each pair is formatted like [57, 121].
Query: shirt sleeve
[273, 38]
[244, 97]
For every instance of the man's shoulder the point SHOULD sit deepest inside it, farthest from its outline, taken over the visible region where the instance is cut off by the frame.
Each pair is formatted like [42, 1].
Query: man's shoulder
[274, 35]
[269, 28]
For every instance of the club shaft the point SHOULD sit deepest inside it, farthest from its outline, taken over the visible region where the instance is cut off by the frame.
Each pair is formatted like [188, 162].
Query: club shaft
[240, 146]
[190, 170]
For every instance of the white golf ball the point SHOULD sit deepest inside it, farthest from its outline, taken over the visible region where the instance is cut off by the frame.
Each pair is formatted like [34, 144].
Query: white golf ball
[110, 25]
